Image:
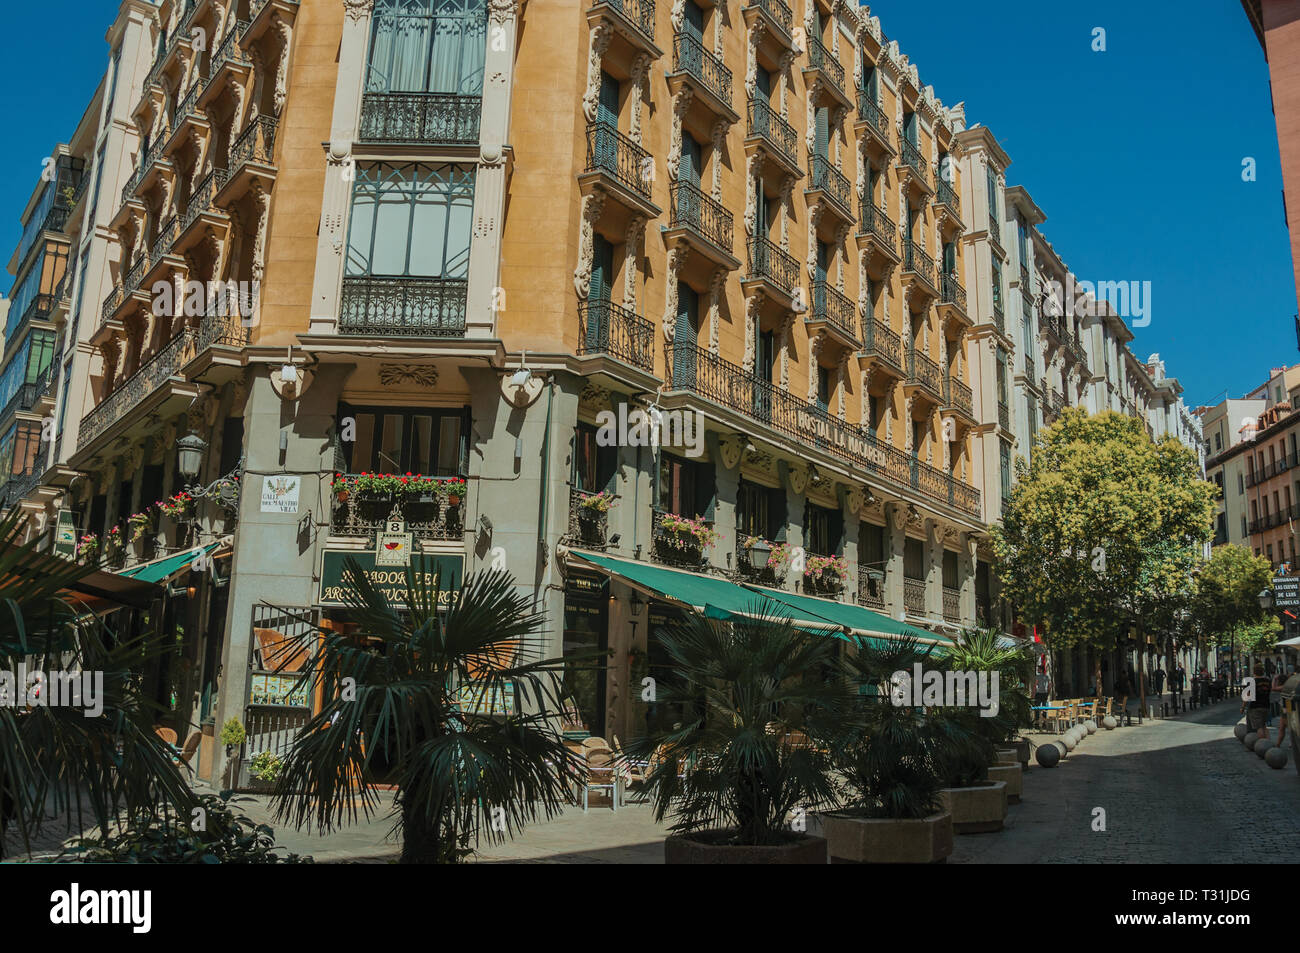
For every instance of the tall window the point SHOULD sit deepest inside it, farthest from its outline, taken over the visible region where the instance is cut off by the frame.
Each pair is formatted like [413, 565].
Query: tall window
[594, 466]
[411, 220]
[428, 46]
[991, 183]
[997, 284]
[823, 530]
[427, 441]
[1002, 375]
[1004, 463]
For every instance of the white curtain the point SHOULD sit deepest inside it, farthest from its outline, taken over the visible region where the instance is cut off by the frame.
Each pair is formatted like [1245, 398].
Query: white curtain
[428, 46]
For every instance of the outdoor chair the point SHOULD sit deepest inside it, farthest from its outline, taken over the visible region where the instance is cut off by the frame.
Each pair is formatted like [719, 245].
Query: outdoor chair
[191, 746]
[602, 775]
[1060, 718]
[166, 734]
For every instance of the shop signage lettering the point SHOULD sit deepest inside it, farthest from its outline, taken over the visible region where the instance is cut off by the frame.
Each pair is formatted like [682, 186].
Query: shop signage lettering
[850, 442]
[391, 582]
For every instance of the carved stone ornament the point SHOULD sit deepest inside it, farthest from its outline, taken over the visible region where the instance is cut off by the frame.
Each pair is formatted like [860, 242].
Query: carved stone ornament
[423, 375]
[595, 396]
[797, 474]
[729, 450]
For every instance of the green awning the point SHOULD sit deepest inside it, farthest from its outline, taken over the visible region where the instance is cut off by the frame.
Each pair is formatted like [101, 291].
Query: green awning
[720, 599]
[162, 569]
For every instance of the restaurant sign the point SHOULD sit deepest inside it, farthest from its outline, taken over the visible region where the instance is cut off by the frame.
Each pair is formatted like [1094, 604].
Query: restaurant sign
[1286, 592]
[853, 443]
[391, 581]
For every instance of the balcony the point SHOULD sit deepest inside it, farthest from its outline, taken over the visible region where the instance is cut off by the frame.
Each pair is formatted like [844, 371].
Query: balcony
[1004, 416]
[634, 20]
[871, 592]
[777, 14]
[828, 182]
[910, 158]
[952, 298]
[872, 120]
[671, 548]
[427, 516]
[951, 604]
[925, 373]
[824, 62]
[833, 312]
[705, 74]
[588, 526]
[160, 368]
[882, 346]
[958, 398]
[448, 119]
[702, 221]
[605, 328]
[914, 596]
[398, 306]
[201, 209]
[187, 115]
[27, 394]
[995, 228]
[999, 318]
[622, 167]
[693, 369]
[918, 267]
[151, 158]
[778, 137]
[879, 234]
[945, 196]
[230, 54]
[251, 158]
[774, 267]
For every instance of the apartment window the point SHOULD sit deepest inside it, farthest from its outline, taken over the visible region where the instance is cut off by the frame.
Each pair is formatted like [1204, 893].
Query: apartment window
[991, 184]
[1002, 375]
[34, 357]
[411, 220]
[823, 530]
[1218, 443]
[1004, 463]
[427, 440]
[1027, 342]
[997, 284]
[18, 449]
[1241, 485]
[1022, 242]
[594, 466]
[760, 511]
[686, 487]
[428, 46]
[112, 82]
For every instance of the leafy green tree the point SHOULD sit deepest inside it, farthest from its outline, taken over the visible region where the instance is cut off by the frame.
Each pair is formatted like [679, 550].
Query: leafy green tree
[87, 768]
[1226, 604]
[405, 704]
[1101, 530]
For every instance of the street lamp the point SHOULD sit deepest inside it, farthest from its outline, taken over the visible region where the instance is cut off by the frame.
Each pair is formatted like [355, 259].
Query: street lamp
[190, 458]
[190, 452]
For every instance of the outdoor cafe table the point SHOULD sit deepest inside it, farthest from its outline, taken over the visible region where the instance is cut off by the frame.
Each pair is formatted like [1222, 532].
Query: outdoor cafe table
[1048, 707]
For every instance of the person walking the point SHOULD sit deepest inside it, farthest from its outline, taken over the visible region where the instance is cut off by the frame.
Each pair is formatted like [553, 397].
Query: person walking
[1123, 688]
[1176, 681]
[1158, 679]
[1256, 709]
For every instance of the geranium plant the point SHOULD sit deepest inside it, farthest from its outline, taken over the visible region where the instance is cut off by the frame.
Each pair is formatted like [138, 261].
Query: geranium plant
[175, 507]
[265, 766]
[683, 533]
[601, 502]
[779, 557]
[139, 524]
[451, 488]
[827, 569]
[113, 541]
[87, 546]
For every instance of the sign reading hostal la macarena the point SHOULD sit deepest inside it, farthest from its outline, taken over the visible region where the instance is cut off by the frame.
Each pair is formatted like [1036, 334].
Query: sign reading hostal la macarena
[391, 580]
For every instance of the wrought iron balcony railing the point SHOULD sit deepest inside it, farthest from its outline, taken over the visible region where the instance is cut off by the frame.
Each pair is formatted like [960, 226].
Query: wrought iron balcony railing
[255, 144]
[671, 548]
[766, 123]
[946, 195]
[871, 592]
[150, 157]
[831, 181]
[883, 341]
[830, 305]
[692, 209]
[871, 112]
[911, 156]
[426, 517]
[436, 118]
[951, 292]
[229, 50]
[995, 227]
[778, 11]
[999, 318]
[640, 13]
[918, 262]
[1004, 415]
[403, 306]
[622, 159]
[769, 261]
[608, 328]
[951, 604]
[921, 370]
[588, 527]
[821, 58]
[128, 395]
[202, 196]
[690, 57]
[914, 596]
[873, 221]
[27, 394]
[957, 395]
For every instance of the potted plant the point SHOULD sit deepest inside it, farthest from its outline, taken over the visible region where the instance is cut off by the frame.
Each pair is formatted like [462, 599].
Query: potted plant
[233, 737]
[113, 542]
[265, 769]
[138, 523]
[762, 702]
[686, 539]
[87, 547]
[826, 573]
[342, 487]
[757, 552]
[452, 489]
[175, 507]
[892, 812]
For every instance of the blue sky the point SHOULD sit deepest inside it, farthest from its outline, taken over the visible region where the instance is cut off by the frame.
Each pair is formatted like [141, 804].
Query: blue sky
[1134, 154]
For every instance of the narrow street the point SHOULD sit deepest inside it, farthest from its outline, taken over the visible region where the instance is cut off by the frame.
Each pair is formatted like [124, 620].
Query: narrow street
[1181, 790]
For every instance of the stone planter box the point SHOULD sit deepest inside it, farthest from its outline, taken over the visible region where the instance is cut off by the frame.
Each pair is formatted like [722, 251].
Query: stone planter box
[977, 809]
[1013, 775]
[688, 850]
[870, 840]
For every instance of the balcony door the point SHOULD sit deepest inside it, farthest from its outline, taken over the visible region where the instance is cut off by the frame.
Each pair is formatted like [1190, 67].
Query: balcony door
[909, 128]
[822, 138]
[600, 295]
[685, 338]
[765, 360]
[693, 24]
[605, 141]
[950, 258]
[428, 46]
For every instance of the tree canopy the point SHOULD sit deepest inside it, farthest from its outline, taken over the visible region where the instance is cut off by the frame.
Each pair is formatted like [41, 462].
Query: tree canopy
[1102, 529]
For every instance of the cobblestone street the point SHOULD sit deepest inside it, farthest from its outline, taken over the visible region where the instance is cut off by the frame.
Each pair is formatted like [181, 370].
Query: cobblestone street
[1181, 790]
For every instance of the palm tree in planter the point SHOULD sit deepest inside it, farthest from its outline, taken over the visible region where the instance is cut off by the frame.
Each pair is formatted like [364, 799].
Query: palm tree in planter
[890, 763]
[430, 712]
[761, 701]
[89, 760]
